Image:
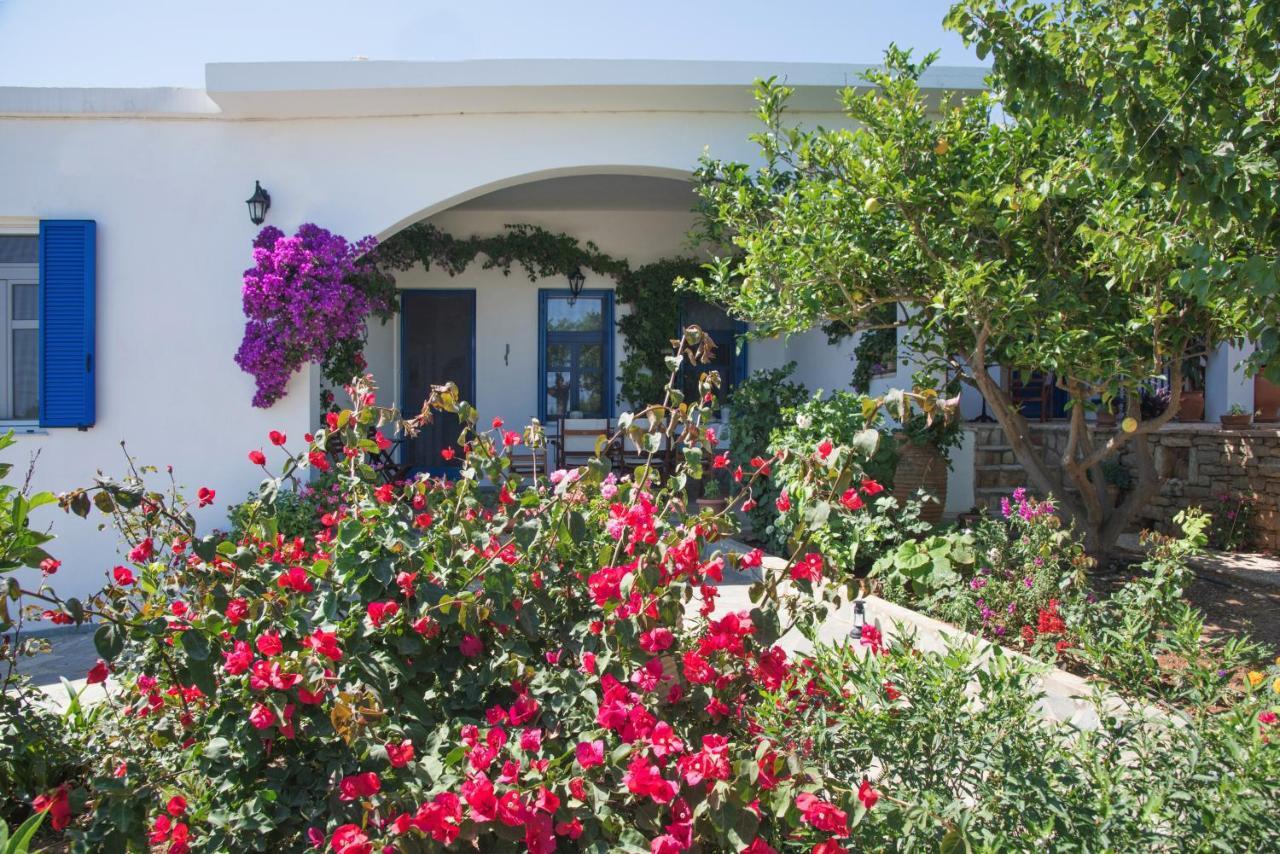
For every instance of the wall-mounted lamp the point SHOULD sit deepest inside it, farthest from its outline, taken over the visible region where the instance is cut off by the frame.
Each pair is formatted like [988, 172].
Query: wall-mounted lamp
[576, 281]
[258, 204]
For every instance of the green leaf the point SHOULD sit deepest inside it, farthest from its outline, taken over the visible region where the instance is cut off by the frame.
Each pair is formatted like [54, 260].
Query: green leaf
[196, 644]
[20, 842]
[109, 640]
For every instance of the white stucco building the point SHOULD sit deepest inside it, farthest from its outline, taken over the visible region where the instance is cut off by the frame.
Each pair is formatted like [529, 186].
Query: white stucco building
[142, 191]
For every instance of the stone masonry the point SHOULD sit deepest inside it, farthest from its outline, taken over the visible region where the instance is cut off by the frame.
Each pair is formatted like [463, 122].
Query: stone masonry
[1201, 461]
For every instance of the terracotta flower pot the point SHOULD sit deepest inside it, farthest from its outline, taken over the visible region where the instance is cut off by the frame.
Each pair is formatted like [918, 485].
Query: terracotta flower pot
[715, 505]
[921, 467]
[1266, 399]
[1191, 407]
[1106, 421]
[1236, 422]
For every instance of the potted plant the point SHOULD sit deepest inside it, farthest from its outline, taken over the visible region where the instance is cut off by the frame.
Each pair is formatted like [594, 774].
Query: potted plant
[923, 445]
[1191, 403]
[712, 496]
[1237, 418]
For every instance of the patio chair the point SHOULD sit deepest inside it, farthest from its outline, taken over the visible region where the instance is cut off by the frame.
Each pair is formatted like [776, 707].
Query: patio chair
[576, 440]
[528, 462]
[629, 457]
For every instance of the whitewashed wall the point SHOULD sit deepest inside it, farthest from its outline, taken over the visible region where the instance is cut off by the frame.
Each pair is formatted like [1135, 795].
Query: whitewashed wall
[173, 239]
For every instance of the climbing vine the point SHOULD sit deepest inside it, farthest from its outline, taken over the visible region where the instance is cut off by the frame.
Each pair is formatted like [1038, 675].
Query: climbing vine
[362, 281]
[648, 328]
[649, 291]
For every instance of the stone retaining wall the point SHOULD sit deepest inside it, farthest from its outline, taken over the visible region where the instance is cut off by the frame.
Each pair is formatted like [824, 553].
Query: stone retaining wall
[1201, 461]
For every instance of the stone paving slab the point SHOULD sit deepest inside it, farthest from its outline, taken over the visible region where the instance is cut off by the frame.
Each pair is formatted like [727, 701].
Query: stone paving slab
[1250, 567]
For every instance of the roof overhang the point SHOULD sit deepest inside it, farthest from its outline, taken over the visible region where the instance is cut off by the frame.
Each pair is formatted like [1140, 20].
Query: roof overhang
[275, 90]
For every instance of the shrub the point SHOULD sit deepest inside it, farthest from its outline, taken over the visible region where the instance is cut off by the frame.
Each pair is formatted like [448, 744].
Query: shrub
[1232, 528]
[429, 669]
[842, 418]
[949, 751]
[755, 410]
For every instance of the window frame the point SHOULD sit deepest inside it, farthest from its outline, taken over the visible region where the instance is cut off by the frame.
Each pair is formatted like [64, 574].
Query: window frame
[12, 274]
[606, 340]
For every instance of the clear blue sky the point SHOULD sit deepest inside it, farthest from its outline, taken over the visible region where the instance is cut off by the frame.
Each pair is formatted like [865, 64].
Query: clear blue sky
[167, 42]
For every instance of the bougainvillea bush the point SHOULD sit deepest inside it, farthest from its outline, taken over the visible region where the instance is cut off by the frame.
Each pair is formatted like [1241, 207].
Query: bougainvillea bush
[537, 670]
[306, 299]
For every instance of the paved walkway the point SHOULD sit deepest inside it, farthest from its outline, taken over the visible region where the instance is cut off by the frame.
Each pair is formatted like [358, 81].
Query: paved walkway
[70, 658]
[1258, 569]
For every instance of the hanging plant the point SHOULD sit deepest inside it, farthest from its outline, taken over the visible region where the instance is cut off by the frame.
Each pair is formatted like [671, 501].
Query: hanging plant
[654, 319]
[307, 299]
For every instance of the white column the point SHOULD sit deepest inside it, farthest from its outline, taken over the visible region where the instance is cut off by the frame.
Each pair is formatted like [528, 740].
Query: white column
[1225, 383]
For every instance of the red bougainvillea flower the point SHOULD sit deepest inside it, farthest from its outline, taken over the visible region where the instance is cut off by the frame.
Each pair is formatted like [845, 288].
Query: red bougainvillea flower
[808, 568]
[423, 520]
[381, 441]
[644, 779]
[261, 717]
[50, 565]
[477, 791]
[590, 753]
[142, 551]
[822, 815]
[350, 839]
[721, 461]
[871, 487]
[830, 846]
[759, 846]
[277, 438]
[1050, 622]
[783, 502]
[400, 755]
[471, 646]
[447, 453]
[891, 691]
[319, 460]
[867, 795]
[97, 673]
[236, 611]
[239, 659]
[656, 640]
[205, 496]
[825, 448]
[851, 500]
[324, 643]
[258, 458]
[380, 612]
[358, 786]
[268, 643]
[510, 438]
[761, 465]
[177, 806]
[295, 579]
[123, 576]
[56, 805]
[385, 493]
[872, 638]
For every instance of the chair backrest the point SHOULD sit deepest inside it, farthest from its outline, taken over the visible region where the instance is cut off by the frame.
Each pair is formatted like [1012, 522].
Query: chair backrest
[578, 436]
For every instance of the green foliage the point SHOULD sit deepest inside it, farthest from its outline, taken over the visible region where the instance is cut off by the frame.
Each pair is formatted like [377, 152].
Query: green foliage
[973, 765]
[929, 565]
[1232, 526]
[1178, 99]
[291, 512]
[654, 319]
[755, 410]
[1000, 243]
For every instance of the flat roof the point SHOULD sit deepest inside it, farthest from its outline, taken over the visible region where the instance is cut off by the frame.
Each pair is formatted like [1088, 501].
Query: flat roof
[272, 90]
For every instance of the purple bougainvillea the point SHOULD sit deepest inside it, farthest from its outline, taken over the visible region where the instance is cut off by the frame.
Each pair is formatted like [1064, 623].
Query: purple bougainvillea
[307, 298]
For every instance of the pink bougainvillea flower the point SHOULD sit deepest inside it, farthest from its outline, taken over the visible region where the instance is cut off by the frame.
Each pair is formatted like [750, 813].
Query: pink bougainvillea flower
[205, 496]
[871, 487]
[759, 846]
[590, 753]
[783, 502]
[261, 716]
[385, 493]
[236, 611]
[656, 640]
[49, 566]
[123, 576]
[400, 755]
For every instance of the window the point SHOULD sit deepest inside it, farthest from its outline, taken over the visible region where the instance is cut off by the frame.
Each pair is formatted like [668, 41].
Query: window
[575, 354]
[725, 332]
[19, 328]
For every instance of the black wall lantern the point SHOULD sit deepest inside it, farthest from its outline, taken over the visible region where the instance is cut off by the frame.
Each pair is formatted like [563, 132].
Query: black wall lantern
[258, 204]
[576, 281]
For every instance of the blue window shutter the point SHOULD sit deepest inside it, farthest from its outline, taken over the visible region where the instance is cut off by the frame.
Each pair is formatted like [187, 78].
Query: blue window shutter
[67, 280]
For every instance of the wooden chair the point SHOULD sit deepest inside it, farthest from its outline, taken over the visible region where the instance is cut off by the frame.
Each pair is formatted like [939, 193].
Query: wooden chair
[576, 440]
[629, 457]
[530, 462]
